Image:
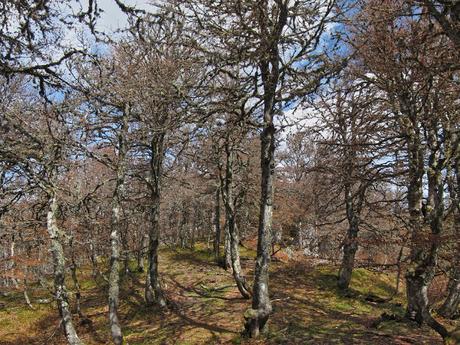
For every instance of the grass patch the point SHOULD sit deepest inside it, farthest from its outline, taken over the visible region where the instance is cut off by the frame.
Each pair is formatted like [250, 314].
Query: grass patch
[206, 307]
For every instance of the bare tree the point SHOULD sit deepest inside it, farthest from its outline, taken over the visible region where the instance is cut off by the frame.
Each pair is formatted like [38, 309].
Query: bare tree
[40, 154]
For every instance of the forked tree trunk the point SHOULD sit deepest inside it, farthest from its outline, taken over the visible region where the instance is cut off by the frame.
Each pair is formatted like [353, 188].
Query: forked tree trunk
[230, 211]
[60, 289]
[419, 273]
[424, 252]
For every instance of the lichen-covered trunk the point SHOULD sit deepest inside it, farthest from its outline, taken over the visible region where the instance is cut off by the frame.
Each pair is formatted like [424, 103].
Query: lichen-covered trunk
[116, 228]
[350, 245]
[449, 308]
[238, 274]
[217, 229]
[227, 263]
[58, 257]
[73, 270]
[350, 248]
[257, 317]
[424, 249]
[153, 291]
[114, 276]
[141, 253]
[230, 211]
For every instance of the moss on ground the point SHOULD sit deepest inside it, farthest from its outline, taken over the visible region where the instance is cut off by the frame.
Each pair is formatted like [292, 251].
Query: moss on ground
[206, 307]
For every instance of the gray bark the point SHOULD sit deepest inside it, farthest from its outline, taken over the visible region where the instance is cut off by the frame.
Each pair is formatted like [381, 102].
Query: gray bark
[230, 211]
[141, 253]
[217, 229]
[423, 255]
[227, 247]
[350, 248]
[257, 316]
[153, 291]
[449, 308]
[116, 228]
[60, 288]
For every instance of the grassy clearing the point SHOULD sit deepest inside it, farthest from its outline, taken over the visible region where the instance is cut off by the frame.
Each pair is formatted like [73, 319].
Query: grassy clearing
[206, 308]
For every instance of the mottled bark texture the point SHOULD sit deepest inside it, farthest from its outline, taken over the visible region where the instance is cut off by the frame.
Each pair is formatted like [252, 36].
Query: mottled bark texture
[269, 64]
[450, 307]
[227, 263]
[230, 214]
[353, 206]
[257, 317]
[350, 248]
[217, 228]
[424, 249]
[60, 290]
[116, 228]
[153, 290]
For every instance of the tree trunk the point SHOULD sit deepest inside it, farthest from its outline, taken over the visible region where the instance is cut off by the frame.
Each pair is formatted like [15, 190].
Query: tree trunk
[424, 252]
[153, 291]
[114, 277]
[449, 308]
[256, 318]
[238, 274]
[217, 230]
[350, 248]
[232, 229]
[227, 263]
[73, 269]
[141, 253]
[60, 289]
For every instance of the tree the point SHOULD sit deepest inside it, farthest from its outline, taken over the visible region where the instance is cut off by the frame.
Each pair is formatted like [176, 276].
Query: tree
[359, 143]
[401, 57]
[40, 154]
[447, 14]
[275, 46]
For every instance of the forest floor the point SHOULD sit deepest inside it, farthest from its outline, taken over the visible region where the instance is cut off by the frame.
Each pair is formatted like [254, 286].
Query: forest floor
[206, 308]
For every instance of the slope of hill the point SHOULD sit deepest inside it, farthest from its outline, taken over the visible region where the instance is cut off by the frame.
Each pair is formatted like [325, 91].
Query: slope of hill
[206, 308]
